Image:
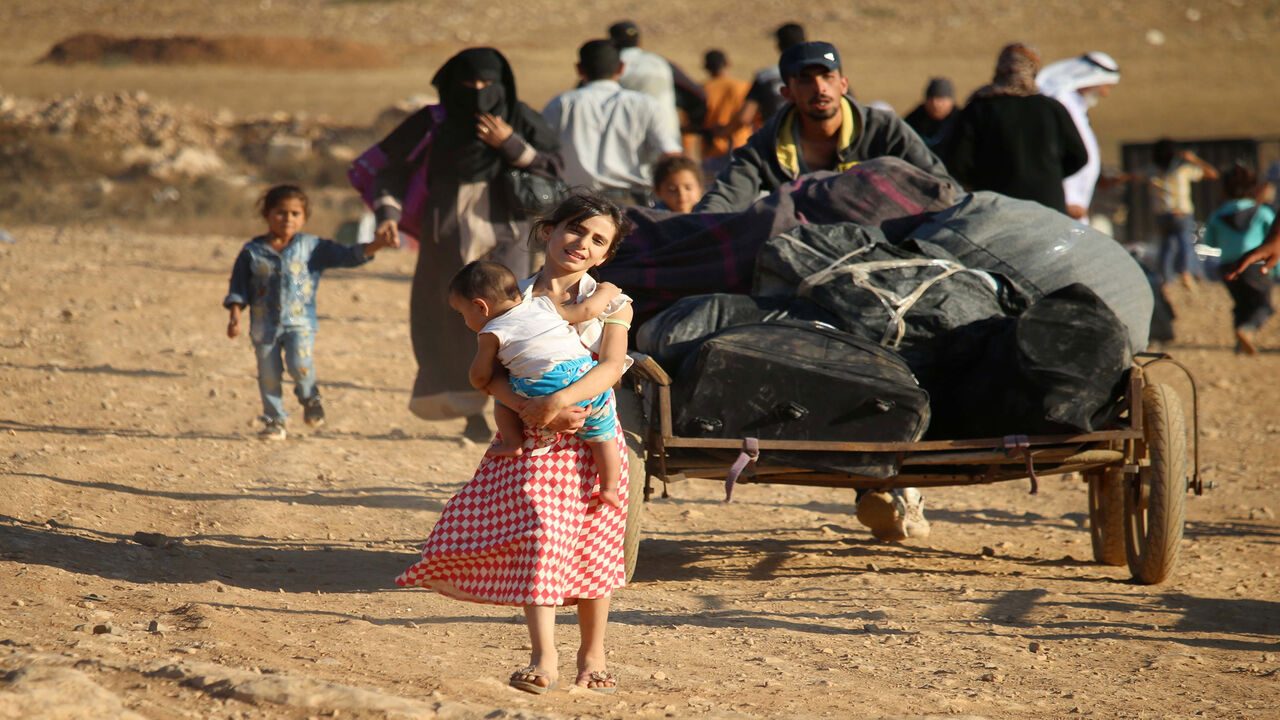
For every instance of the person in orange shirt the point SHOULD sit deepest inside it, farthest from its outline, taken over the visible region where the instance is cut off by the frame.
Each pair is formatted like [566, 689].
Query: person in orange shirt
[722, 130]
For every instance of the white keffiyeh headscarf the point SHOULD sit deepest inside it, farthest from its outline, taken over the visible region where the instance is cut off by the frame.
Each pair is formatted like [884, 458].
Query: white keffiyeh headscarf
[1089, 70]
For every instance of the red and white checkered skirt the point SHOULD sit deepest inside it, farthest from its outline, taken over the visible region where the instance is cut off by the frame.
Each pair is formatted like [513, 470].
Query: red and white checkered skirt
[528, 530]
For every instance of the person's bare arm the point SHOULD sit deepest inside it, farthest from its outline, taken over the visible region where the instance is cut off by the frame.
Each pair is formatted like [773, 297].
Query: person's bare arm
[747, 114]
[592, 307]
[1268, 253]
[233, 324]
[486, 355]
[1210, 172]
[613, 354]
[389, 237]
[569, 420]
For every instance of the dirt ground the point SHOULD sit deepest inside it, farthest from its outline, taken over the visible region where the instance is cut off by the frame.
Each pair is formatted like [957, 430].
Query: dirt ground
[126, 410]
[160, 562]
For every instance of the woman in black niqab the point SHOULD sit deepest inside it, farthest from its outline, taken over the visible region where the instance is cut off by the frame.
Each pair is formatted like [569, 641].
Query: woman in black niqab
[469, 215]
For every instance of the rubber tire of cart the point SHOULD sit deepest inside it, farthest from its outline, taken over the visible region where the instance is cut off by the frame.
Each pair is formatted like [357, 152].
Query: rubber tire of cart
[633, 428]
[1106, 515]
[1153, 534]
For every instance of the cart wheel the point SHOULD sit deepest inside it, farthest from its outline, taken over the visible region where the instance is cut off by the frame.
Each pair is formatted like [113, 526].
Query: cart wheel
[633, 427]
[1106, 515]
[631, 541]
[1154, 505]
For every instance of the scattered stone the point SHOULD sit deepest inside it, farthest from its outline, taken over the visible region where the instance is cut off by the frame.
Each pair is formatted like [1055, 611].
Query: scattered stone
[872, 567]
[988, 551]
[658, 676]
[106, 629]
[1034, 646]
[300, 692]
[150, 539]
[992, 678]
[286, 152]
[59, 692]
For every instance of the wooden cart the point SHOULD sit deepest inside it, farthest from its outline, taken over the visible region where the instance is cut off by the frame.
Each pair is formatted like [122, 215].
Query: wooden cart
[1137, 470]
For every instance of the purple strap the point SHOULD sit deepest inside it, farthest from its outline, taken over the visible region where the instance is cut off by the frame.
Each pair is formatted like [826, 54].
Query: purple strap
[747, 458]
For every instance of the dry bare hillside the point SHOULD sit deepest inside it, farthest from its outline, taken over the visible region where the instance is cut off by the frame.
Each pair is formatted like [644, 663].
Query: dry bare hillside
[1190, 69]
[156, 561]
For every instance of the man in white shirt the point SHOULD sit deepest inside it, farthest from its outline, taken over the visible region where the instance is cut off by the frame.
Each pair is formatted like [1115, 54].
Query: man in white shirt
[646, 72]
[609, 136]
[1079, 84]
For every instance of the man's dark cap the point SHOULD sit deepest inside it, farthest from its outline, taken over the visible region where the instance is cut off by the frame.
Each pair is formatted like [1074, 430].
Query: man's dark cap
[797, 57]
[599, 59]
[624, 34]
[940, 87]
[788, 35]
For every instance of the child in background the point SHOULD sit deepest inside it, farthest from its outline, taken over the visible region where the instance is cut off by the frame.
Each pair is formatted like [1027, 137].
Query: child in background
[1236, 228]
[542, 354]
[723, 129]
[276, 276]
[1175, 215]
[677, 181]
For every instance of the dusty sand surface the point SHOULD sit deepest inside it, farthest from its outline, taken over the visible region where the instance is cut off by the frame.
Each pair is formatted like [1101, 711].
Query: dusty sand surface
[158, 561]
[264, 570]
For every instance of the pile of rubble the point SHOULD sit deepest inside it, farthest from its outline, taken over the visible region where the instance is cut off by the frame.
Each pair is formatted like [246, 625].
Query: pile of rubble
[129, 137]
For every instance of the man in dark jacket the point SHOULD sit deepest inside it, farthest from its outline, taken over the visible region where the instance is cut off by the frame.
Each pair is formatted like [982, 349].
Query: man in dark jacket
[932, 119]
[822, 128]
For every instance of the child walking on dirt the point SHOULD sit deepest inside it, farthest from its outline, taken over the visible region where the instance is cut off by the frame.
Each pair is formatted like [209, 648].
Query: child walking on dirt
[1237, 227]
[541, 352]
[530, 529]
[276, 275]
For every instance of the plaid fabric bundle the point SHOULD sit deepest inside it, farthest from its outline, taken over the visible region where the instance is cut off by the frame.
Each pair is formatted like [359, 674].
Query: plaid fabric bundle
[671, 256]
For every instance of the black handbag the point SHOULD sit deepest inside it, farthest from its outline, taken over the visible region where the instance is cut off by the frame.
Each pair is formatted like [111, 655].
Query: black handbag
[531, 194]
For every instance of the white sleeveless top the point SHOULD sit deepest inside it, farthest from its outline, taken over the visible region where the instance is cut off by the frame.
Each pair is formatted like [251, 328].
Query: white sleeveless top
[533, 338]
[590, 330]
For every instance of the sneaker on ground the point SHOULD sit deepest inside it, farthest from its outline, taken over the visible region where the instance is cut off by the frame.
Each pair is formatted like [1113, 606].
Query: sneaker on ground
[894, 516]
[910, 506]
[313, 412]
[273, 431]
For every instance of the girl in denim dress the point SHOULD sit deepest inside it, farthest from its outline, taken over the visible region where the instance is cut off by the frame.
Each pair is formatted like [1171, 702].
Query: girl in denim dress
[276, 275]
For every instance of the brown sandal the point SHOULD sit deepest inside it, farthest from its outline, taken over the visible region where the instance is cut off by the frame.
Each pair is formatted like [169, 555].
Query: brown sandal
[598, 676]
[530, 686]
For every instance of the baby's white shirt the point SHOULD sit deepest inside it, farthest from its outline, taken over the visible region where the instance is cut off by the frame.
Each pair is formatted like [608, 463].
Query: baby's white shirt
[591, 331]
[533, 338]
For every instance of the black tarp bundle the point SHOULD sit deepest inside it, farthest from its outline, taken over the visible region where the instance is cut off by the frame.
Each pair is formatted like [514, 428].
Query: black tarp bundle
[1015, 318]
[900, 296]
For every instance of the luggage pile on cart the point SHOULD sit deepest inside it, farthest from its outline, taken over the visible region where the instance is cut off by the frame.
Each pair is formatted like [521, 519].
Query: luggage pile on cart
[872, 330]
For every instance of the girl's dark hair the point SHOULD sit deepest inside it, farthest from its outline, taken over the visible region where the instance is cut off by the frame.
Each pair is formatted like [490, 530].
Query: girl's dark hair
[579, 206]
[1240, 181]
[278, 194]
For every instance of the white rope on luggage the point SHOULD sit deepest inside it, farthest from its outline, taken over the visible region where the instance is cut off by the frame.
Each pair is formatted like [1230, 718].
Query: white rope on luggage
[860, 274]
